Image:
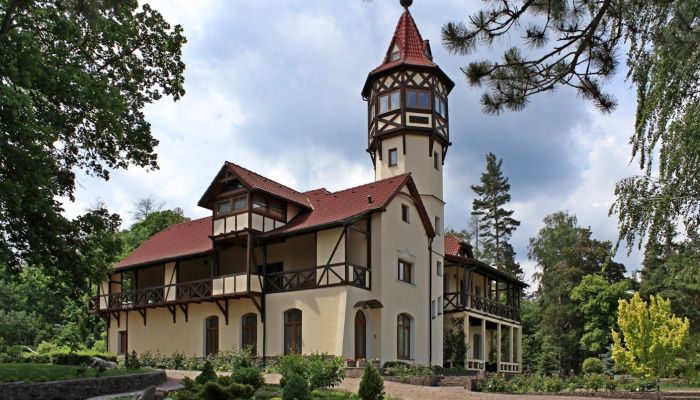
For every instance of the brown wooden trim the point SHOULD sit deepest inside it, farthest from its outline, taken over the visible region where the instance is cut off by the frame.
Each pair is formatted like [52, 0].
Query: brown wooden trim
[223, 307]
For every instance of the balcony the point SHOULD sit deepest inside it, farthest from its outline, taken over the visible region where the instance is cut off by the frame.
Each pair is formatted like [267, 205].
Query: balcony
[221, 287]
[459, 301]
[318, 277]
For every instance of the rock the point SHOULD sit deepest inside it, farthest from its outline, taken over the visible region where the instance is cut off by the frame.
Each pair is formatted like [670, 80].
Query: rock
[148, 394]
[100, 364]
[160, 394]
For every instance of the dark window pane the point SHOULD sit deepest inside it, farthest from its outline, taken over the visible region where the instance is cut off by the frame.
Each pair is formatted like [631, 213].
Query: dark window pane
[395, 102]
[424, 100]
[411, 98]
[393, 157]
[383, 104]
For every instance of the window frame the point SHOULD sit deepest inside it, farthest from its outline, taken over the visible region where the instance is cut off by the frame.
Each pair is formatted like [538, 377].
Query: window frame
[395, 51]
[418, 92]
[436, 160]
[405, 213]
[438, 225]
[438, 268]
[211, 336]
[405, 271]
[390, 104]
[249, 331]
[292, 332]
[403, 331]
[395, 151]
[264, 205]
[231, 200]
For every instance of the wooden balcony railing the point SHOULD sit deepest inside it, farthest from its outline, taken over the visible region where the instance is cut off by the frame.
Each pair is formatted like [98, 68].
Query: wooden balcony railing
[459, 301]
[181, 292]
[318, 277]
[233, 286]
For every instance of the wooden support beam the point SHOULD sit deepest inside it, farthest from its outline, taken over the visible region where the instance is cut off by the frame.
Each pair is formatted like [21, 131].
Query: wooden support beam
[143, 311]
[116, 315]
[258, 305]
[185, 307]
[223, 307]
[173, 312]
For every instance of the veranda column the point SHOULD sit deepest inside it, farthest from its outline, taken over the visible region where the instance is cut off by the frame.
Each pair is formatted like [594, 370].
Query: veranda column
[520, 349]
[510, 344]
[466, 339]
[498, 347]
[483, 343]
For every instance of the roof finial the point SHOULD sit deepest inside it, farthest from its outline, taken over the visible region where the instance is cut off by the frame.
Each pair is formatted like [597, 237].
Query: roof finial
[406, 3]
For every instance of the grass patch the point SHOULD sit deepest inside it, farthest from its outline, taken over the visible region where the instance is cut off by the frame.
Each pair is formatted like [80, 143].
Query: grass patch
[30, 372]
[678, 386]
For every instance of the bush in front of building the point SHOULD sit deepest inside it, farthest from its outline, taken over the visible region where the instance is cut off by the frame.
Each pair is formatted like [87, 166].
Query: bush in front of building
[207, 374]
[221, 388]
[248, 376]
[371, 385]
[404, 370]
[320, 371]
[225, 360]
[593, 365]
[498, 383]
[295, 388]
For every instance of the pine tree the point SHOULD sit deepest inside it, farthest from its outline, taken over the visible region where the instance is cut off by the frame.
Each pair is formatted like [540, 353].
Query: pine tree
[496, 224]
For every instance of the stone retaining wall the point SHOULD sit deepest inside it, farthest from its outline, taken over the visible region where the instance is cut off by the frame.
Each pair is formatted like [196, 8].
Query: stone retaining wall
[83, 388]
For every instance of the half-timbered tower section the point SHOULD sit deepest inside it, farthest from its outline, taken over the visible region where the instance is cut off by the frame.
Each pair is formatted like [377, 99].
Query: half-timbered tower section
[364, 272]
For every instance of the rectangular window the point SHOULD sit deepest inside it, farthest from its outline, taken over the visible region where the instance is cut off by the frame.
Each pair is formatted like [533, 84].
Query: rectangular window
[389, 101]
[438, 227]
[223, 207]
[122, 344]
[477, 346]
[393, 157]
[439, 268]
[418, 99]
[405, 216]
[436, 160]
[405, 271]
[440, 107]
[439, 305]
[433, 309]
[240, 203]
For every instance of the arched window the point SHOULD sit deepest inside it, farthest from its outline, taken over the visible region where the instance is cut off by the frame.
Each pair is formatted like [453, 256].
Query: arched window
[249, 332]
[211, 335]
[360, 335]
[403, 337]
[292, 331]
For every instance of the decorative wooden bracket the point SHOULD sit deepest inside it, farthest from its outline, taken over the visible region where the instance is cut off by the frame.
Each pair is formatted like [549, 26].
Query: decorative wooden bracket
[115, 314]
[258, 306]
[173, 312]
[184, 309]
[143, 314]
[223, 307]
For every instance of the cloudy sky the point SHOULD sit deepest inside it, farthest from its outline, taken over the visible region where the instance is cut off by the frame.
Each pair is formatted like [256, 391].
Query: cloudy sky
[275, 86]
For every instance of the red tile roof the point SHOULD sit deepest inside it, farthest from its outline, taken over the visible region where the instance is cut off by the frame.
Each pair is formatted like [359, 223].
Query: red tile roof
[452, 245]
[185, 239]
[333, 207]
[258, 182]
[413, 50]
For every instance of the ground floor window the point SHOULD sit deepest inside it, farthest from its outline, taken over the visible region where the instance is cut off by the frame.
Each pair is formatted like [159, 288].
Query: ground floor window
[403, 337]
[249, 332]
[211, 335]
[477, 346]
[122, 344]
[292, 331]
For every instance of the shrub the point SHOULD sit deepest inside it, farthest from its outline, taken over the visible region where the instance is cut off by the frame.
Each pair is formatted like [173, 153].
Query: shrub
[553, 384]
[371, 385]
[239, 391]
[266, 393]
[212, 390]
[131, 361]
[323, 371]
[390, 364]
[207, 374]
[595, 382]
[248, 376]
[295, 388]
[79, 358]
[593, 365]
[405, 370]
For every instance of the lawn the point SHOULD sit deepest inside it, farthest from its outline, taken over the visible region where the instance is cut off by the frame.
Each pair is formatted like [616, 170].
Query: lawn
[31, 372]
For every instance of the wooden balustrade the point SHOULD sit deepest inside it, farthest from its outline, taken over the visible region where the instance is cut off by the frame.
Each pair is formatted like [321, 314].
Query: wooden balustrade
[318, 277]
[460, 301]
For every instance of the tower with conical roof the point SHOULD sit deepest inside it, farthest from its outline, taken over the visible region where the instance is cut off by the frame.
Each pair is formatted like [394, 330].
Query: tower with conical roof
[408, 131]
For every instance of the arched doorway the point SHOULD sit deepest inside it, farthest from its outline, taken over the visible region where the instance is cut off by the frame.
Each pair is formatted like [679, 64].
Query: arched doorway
[360, 335]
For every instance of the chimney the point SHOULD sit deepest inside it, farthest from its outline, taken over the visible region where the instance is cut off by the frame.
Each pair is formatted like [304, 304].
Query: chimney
[369, 199]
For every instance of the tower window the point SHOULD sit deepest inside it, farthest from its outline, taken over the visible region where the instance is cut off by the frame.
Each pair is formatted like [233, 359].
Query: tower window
[393, 157]
[440, 107]
[418, 99]
[404, 213]
[389, 101]
[405, 272]
[436, 160]
[439, 268]
[395, 53]
[438, 228]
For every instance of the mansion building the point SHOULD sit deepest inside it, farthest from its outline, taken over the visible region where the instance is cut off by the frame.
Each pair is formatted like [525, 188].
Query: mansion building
[361, 273]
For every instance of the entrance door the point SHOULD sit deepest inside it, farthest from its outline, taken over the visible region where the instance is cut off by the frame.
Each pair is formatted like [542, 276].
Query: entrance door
[360, 335]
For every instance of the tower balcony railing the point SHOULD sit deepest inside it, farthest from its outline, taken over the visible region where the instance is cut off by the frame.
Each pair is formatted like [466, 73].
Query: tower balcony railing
[460, 301]
[318, 277]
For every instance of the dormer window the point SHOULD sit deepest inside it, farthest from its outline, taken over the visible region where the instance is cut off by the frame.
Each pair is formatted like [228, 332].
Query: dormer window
[223, 207]
[395, 53]
[231, 185]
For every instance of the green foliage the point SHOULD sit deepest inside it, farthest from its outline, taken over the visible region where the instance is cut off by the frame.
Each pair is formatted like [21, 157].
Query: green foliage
[495, 223]
[221, 388]
[267, 393]
[319, 370]
[131, 361]
[454, 346]
[40, 372]
[593, 365]
[248, 376]
[207, 374]
[389, 364]
[565, 253]
[153, 223]
[406, 370]
[372, 384]
[295, 388]
[544, 384]
[596, 299]
[650, 338]
[74, 81]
